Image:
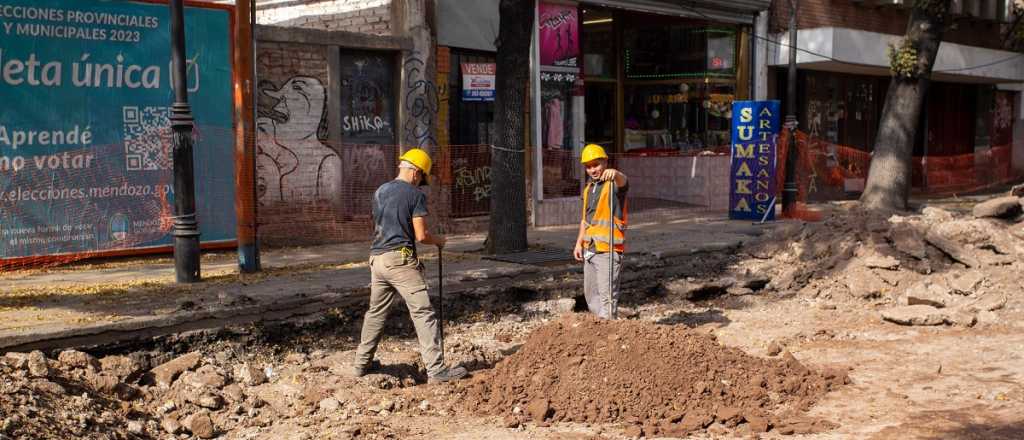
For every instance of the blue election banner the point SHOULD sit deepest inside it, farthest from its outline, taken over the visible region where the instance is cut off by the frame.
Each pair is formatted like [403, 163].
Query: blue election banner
[85, 162]
[755, 132]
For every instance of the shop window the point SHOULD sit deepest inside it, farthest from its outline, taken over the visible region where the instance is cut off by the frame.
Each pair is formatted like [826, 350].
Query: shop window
[600, 111]
[598, 44]
[367, 98]
[561, 170]
[556, 109]
[687, 117]
[678, 50]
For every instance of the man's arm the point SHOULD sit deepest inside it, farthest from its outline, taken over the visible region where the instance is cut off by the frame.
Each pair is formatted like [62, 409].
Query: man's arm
[577, 251]
[609, 174]
[423, 235]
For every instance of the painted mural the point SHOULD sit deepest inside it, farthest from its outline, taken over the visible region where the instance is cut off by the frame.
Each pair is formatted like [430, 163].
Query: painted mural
[294, 162]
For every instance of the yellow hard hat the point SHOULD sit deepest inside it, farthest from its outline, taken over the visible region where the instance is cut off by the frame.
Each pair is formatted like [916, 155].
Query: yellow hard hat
[592, 152]
[421, 160]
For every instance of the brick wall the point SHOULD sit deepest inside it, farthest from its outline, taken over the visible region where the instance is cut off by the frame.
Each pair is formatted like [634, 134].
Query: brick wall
[886, 20]
[362, 16]
[297, 168]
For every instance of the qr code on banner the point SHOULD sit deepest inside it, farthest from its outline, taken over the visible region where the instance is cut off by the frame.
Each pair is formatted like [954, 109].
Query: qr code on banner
[147, 138]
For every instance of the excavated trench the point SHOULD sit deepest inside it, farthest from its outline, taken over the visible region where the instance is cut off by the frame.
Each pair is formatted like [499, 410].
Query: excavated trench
[233, 380]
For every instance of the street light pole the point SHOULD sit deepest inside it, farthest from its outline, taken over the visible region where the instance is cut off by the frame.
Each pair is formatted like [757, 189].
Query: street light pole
[789, 187]
[186, 228]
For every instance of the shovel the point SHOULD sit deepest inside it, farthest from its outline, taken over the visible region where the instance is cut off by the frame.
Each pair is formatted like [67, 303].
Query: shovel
[440, 297]
[611, 250]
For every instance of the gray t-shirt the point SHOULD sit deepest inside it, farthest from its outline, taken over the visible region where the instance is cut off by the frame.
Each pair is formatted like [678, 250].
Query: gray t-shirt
[394, 205]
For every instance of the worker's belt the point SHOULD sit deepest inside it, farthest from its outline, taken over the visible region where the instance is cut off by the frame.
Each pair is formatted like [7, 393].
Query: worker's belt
[406, 251]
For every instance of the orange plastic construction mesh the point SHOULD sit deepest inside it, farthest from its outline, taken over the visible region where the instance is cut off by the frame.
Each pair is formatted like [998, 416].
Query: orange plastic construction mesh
[308, 192]
[828, 171]
[325, 189]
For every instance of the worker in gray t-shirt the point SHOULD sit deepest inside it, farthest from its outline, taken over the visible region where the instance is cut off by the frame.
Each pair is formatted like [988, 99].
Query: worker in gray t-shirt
[399, 216]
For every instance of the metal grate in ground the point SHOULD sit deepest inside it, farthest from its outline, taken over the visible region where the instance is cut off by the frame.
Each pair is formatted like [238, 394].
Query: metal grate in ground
[536, 257]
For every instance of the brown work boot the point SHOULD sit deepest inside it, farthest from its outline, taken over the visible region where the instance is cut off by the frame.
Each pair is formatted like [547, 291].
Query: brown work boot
[448, 374]
[363, 370]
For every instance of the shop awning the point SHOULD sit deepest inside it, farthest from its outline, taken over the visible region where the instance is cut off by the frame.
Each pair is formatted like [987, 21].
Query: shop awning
[733, 11]
[862, 52]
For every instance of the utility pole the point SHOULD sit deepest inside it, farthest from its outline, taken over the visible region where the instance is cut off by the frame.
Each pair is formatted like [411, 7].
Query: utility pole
[186, 228]
[789, 187]
[245, 137]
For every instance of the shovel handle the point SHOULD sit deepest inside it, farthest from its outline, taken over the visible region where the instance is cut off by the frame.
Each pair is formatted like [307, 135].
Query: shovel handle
[440, 297]
[611, 249]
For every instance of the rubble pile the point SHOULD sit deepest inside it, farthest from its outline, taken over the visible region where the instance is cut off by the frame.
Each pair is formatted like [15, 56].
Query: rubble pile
[657, 379]
[75, 396]
[933, 268]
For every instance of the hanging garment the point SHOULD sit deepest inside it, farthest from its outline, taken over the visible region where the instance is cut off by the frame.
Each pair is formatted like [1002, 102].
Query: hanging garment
[556, 126]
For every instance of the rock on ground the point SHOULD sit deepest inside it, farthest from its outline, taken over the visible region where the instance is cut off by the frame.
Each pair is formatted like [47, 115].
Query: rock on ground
[38, 365]
[967, 283]
[250, 375]
[76, 359]
[165, 374]
[201, 425]
[123, 367]
[553, 306]
[170, 425]
[918, 314]
[930, 294]
[1000, 207]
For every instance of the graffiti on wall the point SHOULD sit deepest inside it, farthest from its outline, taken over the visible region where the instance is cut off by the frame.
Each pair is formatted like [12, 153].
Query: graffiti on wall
[293, 162]
[367, 113]
[421, 103]
[475, 181]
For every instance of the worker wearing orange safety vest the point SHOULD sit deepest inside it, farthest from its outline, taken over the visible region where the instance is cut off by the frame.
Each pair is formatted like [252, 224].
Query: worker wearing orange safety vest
[602, 236]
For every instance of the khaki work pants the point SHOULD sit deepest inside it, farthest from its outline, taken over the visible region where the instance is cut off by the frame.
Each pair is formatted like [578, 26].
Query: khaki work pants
[601, 293]
[393, 272]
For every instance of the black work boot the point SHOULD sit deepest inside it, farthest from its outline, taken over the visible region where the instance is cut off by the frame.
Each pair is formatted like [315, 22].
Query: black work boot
[448, 374]
[362, 370]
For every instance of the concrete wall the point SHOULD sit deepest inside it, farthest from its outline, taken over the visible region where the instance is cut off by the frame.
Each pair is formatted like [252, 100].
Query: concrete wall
[363, 16]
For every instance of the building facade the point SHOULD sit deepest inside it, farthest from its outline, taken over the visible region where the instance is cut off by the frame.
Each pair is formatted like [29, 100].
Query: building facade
[345, 86]
[972, 109]
[651, 81]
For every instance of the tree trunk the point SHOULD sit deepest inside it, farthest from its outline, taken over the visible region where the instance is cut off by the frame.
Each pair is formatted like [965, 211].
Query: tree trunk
[507, 231]
[888, 184]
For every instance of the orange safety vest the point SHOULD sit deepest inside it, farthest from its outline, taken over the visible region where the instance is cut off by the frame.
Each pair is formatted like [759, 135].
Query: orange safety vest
[597, 232]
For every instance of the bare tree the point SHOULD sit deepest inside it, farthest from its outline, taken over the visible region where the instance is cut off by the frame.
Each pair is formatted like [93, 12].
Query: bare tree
[911, 60]
[507, 231]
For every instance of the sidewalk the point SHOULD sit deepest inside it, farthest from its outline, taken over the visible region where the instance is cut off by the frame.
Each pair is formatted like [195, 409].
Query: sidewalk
[103, 303]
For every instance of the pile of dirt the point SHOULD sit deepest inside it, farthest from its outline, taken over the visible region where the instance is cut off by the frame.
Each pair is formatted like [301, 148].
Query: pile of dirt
[659, 379]
[930, 268]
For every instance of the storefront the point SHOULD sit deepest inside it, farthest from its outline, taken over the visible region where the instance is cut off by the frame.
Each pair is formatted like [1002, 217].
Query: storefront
[643, 79]
[965, 141]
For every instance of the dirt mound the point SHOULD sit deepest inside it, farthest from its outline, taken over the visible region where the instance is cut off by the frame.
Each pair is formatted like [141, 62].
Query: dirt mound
[667, 379]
